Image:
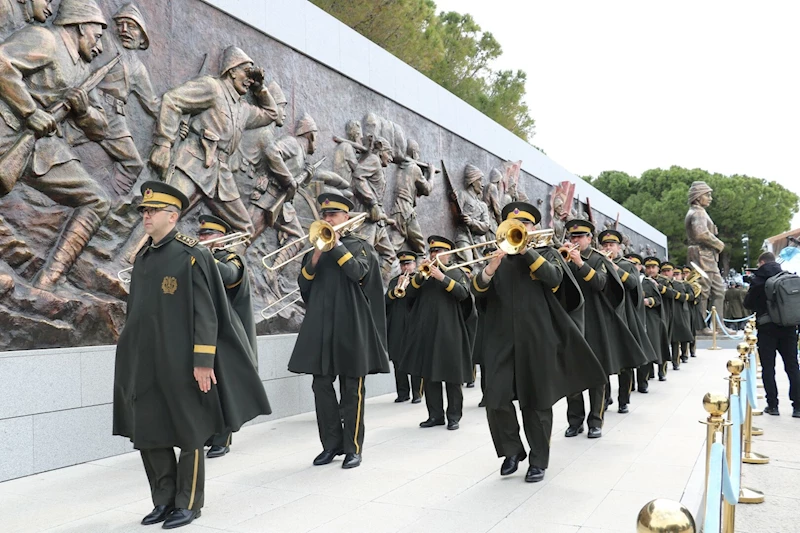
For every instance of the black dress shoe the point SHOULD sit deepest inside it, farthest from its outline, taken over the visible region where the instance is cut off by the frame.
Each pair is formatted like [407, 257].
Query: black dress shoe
[609, 401]
[180, 517]
[482, 403]
[326, 457]
[772, 411]
[217, 451]
[623, 409]
[662, 378]
[158, 514]
[595, 433]
[400, 400]
[416, 400]
[351, 460]
[452, 424]
[511, 463]
[573, 431]
[471, 385]
[684, 359]
[643, 390]
[693, 354]
[796, 412]
[429, 423]
[534, 475]
[675, 367]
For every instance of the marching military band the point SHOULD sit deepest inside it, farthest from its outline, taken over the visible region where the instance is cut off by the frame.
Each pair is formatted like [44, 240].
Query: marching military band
[543, 323]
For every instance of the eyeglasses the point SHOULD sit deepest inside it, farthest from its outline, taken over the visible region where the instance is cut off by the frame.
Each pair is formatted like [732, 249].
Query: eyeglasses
[150, 211]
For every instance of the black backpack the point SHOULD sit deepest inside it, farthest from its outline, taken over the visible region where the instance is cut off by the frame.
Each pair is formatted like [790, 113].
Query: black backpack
[783, 298]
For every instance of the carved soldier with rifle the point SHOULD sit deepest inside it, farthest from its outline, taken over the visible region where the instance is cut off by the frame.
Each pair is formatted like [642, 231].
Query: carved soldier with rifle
[410, 183]
[349, 150]
[44, 80]
[474, 220]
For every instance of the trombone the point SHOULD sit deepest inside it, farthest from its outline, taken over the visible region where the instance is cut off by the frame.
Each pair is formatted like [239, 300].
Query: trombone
[511, 237]
[279, 300]
[693, 279]
[124, 275]
[321, 236]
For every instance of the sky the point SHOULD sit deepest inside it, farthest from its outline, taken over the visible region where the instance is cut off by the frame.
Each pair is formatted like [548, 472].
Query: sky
[634, 85]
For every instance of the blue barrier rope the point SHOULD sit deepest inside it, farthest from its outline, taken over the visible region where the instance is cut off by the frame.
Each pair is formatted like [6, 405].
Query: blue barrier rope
[714, 489]
[737, 418]
[752, 394]
[724, 330]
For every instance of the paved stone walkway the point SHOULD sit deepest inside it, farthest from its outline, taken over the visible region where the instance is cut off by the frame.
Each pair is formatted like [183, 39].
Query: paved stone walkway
[428, 480]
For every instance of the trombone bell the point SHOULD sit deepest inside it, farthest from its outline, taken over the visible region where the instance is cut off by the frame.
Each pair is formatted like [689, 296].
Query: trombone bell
[124, 275]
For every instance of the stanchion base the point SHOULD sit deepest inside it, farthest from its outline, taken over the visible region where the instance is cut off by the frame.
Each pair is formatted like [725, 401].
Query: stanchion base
[750, 496]
[754, 458]
[757, 432]
[760, 386]
[758, 412]
[713, 348]
[760, 396]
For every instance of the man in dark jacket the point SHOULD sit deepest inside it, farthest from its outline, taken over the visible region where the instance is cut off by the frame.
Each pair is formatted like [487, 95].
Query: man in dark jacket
[772, 338]
[178, 320]
[343, 333]
[534, 351]
[398, 312]
[438, 346]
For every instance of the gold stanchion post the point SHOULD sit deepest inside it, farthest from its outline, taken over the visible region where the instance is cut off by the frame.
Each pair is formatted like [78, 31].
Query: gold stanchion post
[746, 495]
[749, 456]
[662, 516]
[715, 405]
[714, 328]
[757, 431]
[751, 339]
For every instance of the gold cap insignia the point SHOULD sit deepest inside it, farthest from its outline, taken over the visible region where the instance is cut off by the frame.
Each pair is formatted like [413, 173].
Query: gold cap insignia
[148, 193]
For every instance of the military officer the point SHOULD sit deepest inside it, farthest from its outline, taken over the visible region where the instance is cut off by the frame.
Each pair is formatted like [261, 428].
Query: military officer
[655, 296]
[680, 334]
[234, 276]
[343, 333]
[536, 353]
[610, 241]
[605, 329]
[178, 319]
[397, 315]
[438, 344]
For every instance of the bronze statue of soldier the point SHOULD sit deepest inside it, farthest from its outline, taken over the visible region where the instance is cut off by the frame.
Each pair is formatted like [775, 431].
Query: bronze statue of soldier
[474, 223]
[252, 149]
[410, 183]
[219, 115]
[41, 67]
[349, 151]
[129, 77]
[14, 14]
[704, 248]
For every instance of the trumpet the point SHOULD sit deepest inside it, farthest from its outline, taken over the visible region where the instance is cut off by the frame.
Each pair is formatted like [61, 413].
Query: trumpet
[279, 300]
[424, 268]
[511, 237]
[566, 250]
[400, 288]
[238, 238]
[321, 236]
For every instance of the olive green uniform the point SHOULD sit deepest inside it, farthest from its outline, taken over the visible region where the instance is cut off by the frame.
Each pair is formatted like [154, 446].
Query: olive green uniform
[398, 311]
[178, 319]
[343, 335]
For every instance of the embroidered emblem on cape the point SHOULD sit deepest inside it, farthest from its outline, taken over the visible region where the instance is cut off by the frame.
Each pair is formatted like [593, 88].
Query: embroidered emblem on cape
[169, 285]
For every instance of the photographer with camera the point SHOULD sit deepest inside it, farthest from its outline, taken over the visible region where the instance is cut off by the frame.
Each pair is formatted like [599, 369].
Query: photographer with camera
[777, 332]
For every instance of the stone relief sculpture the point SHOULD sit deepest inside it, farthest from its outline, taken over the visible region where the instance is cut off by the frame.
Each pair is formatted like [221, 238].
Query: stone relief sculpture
[73, 144]
[475, 222]
[369, 190]
[561, 209]
[41, 67]
[129, 77]
[410, 183]
[704, 247]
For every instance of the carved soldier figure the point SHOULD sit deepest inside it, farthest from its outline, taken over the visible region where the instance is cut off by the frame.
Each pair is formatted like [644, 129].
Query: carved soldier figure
[39, 67]
[254, 142]
[704, 247]
[410, 183]
[494, 195]
[14, 14]
[219, 116]
[346, 156]
[474, 223]
[128, 77]
[369, 188]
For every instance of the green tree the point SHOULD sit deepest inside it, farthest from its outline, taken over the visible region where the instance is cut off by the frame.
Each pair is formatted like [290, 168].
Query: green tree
[449, 48]
[742, 204]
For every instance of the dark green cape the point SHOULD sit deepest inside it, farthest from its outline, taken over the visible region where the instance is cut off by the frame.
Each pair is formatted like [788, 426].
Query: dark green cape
[178, 313]
[656, 321]
[397, 316]
[534, 350]
[438, 345]
[344, 330]
[681, 316]
[634, 306]
[238, 289]
[605, 328]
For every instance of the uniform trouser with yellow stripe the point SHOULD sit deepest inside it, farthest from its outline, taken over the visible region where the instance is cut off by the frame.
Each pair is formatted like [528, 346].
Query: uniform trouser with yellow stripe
[504, 427]
[434, 400]
[576, 410]
[221, 439]
[179, 483]
[625, 380]
[334, 436]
